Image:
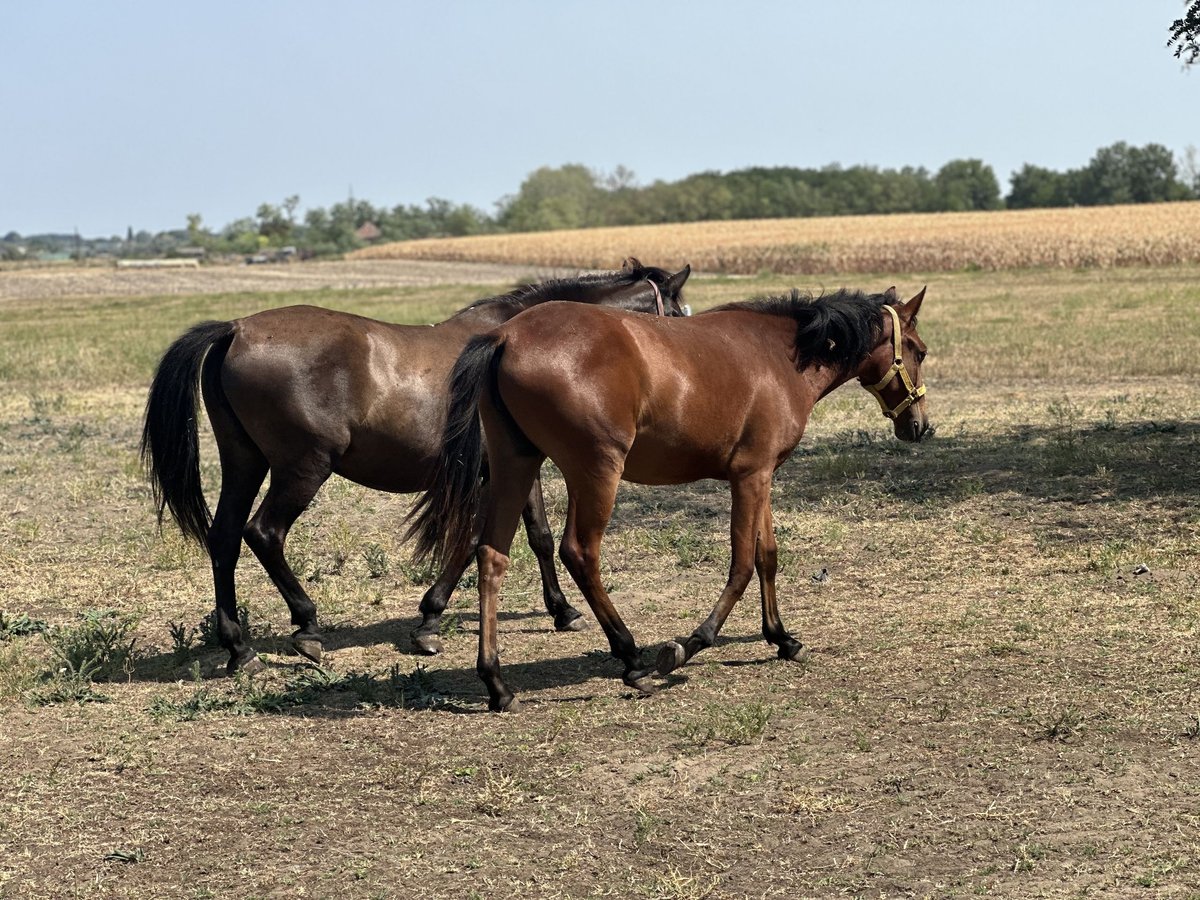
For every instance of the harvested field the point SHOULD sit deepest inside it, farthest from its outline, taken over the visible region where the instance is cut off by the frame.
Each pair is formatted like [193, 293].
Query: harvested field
[1083, 237]
[1002, 698]
[57, 281]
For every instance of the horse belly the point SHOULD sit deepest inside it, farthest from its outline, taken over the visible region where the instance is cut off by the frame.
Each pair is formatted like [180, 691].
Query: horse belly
[653, 460]
[397, 463]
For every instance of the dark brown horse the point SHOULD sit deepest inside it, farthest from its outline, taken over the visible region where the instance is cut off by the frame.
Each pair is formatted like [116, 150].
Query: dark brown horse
[610, 396]
[303, 393]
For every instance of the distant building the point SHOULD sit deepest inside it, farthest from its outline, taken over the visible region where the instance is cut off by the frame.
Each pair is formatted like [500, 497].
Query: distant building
[368, 232]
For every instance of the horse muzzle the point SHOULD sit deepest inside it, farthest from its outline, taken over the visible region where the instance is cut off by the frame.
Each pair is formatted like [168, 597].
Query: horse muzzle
[914, 430]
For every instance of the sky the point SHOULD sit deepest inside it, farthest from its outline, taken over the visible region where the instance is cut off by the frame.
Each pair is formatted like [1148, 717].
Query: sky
[136, 114]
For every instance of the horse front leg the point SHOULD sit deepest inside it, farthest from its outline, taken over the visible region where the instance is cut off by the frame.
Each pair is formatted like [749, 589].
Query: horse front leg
[541, 542]
[751, 495]
[590, 507]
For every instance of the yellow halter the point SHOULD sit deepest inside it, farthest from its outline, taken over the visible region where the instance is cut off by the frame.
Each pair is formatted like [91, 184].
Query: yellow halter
[914, 392]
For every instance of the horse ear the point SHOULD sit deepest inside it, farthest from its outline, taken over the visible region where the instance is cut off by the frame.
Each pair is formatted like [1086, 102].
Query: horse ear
[910, 309]
[631, 265]
[890, 294]
[675, 283]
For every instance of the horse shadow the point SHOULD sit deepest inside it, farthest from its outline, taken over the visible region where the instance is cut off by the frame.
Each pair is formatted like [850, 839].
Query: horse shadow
[311, 690]
[1101, 464]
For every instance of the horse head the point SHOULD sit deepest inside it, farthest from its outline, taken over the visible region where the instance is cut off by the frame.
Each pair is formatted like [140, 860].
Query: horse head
[892, 371]
[654, 289]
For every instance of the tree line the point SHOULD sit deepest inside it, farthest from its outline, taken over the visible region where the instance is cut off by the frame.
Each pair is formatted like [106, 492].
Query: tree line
[574, 196]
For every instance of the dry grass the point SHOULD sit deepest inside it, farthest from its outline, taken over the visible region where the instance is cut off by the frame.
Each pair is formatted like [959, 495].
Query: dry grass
[996, 703]
[1095, 237]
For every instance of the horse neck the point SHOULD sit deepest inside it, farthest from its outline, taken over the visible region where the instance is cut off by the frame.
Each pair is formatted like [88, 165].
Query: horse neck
[489, 315]
[776, 339]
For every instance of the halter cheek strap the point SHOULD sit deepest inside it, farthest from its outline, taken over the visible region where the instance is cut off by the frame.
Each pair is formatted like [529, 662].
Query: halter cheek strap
[658, 300]
[914, 393]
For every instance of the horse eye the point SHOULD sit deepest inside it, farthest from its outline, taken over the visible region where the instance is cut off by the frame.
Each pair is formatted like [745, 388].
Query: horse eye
[920, 356]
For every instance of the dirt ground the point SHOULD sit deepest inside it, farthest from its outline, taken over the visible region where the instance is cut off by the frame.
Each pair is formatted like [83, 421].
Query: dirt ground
[1001, 698]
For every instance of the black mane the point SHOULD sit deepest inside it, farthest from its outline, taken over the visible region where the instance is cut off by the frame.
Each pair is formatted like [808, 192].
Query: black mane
[581, 286]
[837, 329]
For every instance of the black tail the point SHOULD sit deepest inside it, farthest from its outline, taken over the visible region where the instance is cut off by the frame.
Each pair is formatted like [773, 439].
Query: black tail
[444, 516]
[170, 443]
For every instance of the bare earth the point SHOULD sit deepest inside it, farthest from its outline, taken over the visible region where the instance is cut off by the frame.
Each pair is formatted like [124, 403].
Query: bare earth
[1001, 701]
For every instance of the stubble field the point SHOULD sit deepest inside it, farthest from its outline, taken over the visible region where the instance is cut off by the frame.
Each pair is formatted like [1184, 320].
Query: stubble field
[1001, 698]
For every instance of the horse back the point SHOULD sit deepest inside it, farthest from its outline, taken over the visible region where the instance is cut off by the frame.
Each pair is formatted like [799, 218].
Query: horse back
[305, 381]
[674, 400]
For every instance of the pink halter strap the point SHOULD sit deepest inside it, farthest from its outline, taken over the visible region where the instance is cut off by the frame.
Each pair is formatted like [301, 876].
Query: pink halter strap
[658, 298]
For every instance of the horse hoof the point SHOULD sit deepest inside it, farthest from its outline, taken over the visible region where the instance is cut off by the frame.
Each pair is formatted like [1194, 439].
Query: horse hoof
[579, 623]
[639, 680]
[508, 704]
[670, 657]
[428, 644]
[251, 666]
[309, 648]
[795, 652]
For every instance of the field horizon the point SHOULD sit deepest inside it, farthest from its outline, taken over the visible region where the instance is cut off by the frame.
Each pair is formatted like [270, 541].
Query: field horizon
[1152, 234]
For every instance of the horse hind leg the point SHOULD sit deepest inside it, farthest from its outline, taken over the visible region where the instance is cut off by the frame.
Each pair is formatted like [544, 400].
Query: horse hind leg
[291, 490]
[242, 474]
[506, 498]
[426, 637]
[766, 563]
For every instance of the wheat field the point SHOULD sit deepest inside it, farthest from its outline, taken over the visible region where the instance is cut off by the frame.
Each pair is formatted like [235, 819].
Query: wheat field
[1083, 237]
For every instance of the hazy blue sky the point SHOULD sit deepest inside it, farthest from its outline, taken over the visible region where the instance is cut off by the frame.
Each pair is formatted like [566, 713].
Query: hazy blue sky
[116, 114]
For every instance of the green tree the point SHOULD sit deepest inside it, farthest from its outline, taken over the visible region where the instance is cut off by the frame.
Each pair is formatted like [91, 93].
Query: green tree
[550, 199]
[273, 224]
[1185, 35]
[967, 184]
[1124, 174]
[1035, 186]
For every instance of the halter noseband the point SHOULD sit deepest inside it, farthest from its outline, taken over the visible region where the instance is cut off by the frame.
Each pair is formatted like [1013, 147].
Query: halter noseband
[914, 393]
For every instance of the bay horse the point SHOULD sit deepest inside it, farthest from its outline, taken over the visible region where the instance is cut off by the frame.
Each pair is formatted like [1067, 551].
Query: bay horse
[608, 396]
[304, 393]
